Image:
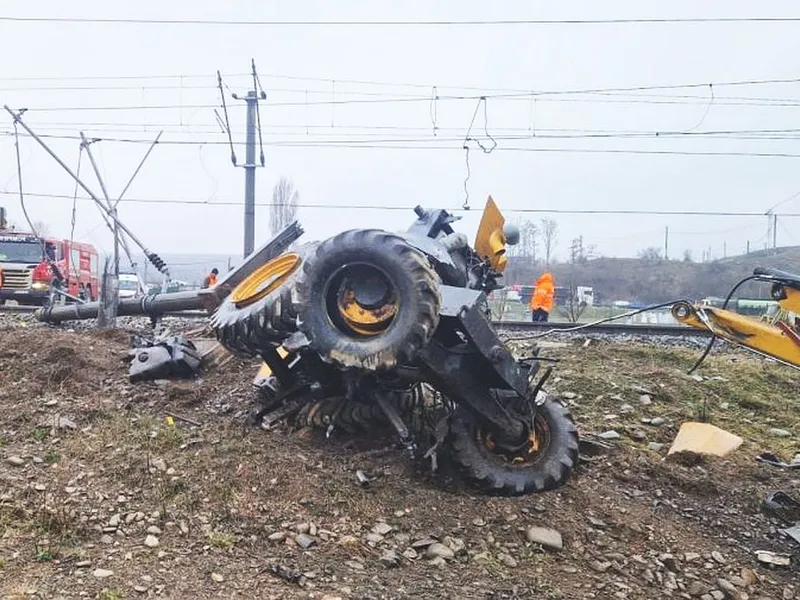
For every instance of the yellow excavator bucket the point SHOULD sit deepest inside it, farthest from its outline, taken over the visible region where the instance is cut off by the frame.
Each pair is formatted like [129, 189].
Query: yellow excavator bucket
[490, 241]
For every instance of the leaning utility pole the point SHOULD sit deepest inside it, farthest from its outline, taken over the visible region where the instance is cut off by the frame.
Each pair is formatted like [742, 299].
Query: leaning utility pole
[253, 125]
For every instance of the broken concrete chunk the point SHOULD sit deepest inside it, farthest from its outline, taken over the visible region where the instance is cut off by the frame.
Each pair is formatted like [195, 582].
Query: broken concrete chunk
[702, 438]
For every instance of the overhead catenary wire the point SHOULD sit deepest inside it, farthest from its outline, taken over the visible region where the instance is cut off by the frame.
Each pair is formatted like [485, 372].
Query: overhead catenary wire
[512, 210]
[403, 23]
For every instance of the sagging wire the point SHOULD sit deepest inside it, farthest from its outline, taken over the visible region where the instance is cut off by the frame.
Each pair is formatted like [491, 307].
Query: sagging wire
[433, 109]
[45, 257]
[468, 138]
[75, 197]
[227, 120]
[594, 323]
[260, 91]
[702, 119]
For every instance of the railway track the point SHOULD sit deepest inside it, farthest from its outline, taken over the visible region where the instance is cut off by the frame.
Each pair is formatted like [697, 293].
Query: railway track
[649, 330]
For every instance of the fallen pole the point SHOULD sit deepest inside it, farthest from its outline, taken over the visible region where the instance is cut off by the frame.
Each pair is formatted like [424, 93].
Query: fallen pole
[158, 305]
[151, 306]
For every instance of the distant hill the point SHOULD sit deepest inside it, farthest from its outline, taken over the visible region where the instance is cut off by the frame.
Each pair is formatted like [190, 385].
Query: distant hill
[651, 282]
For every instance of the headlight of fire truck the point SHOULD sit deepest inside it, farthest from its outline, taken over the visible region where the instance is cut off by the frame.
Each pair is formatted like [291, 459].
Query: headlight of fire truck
[41, 277]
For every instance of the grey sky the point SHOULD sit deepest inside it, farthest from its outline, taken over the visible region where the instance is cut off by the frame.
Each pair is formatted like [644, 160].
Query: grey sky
[492, 60]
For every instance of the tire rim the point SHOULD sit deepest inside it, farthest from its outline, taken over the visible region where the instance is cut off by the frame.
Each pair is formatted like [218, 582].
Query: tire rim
[361, 300]
[529, 453]
[265, 280]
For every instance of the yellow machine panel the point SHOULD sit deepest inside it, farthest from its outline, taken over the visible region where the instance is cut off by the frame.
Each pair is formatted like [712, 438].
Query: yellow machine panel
[490, 242]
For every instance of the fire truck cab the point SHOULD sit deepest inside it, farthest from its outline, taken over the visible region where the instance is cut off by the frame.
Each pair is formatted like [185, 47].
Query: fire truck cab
[31, 266]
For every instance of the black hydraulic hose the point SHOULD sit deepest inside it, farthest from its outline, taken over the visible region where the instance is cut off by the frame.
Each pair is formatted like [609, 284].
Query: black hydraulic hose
[714, 336]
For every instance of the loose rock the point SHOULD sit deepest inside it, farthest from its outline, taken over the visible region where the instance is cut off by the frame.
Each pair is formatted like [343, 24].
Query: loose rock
[102, 573]
[304, 540]
[390, 559]
[547, 538]
[151, 541]
[438, 550]
[610, 435]
[15, 461]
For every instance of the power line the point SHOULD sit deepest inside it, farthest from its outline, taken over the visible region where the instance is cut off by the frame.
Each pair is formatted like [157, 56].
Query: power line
[561, 211]
[438, 143]
[428, 23]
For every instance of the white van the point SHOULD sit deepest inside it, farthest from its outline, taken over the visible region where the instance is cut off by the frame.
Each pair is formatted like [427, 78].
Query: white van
[128, 285]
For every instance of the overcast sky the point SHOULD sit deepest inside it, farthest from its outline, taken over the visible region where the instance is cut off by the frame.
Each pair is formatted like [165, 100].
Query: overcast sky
[331, 88]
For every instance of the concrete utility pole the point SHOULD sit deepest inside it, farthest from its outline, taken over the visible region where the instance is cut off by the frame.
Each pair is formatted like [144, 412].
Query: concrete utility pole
[253, 127]
[666, 243]
[775, 233]
[250, 175]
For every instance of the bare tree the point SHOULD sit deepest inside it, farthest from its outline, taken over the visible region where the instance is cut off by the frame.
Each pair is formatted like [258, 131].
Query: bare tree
[283, 211]
[687, 256]
[528, 241]
[652, 254]
[549, 236]
[41, 228]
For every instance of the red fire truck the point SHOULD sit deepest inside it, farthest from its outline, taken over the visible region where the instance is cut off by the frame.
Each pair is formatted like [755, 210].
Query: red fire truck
[31, 266]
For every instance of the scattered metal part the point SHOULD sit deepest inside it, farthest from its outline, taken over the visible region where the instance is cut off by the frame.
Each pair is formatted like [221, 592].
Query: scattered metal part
[174, 356]
[363, 479]
[771, 459]
[793, 532]
[782, 506]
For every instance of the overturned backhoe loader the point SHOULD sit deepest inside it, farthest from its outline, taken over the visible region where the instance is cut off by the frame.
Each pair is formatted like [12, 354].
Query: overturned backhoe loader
[371, 326]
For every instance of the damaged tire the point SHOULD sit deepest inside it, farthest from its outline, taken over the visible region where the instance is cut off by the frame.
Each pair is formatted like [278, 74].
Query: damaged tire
[355, 416]
[367, 299]
[260, 313]
[546, 465]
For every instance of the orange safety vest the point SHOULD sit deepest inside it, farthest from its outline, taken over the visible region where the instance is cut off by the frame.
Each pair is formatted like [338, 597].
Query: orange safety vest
[544, 293]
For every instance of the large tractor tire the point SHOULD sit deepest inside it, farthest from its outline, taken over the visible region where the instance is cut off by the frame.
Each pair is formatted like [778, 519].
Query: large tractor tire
[367, 299]
[259, 313]
[357, 415]
[545, 465]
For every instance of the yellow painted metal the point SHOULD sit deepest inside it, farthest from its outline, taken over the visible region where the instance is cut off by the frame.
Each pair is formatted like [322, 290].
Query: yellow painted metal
[735, 328]
[266, 279]
[792, 300]
[365, 321]
[264, 371]
[490, 242]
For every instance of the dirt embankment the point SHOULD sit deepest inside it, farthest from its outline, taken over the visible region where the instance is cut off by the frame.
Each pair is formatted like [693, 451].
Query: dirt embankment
[102, 496]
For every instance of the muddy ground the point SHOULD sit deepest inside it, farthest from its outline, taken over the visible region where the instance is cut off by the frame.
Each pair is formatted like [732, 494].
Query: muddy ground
[102, 495]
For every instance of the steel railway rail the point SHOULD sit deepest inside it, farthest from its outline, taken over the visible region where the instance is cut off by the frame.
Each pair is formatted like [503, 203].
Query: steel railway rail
[520, 327]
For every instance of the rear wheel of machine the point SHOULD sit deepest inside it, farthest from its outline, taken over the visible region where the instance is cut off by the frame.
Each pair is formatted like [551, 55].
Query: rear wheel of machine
[259, 313]
[367, 299]
[545, 464]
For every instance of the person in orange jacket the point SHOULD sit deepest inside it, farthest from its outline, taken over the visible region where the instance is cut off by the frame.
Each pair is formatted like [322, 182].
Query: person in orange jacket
[211, 279]
[542, 299]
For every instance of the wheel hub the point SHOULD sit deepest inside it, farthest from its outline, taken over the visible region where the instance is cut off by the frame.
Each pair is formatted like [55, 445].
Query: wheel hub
[365, 301]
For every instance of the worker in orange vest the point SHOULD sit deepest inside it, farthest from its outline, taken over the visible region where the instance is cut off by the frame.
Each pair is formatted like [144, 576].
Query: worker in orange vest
[211, 278]
[542, 299]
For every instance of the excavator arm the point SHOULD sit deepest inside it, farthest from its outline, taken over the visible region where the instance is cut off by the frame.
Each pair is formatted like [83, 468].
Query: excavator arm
[780, 341]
